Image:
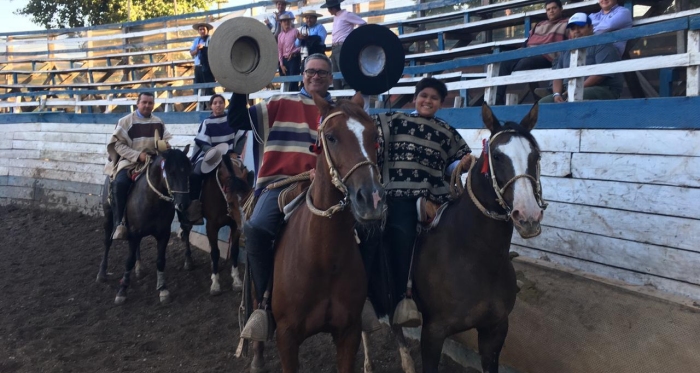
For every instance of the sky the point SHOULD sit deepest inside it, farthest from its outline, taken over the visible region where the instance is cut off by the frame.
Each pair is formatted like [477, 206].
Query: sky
[10, 22]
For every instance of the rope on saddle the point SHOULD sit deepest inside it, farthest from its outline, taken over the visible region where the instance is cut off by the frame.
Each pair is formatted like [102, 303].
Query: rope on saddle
[456, 186]
[252, 200]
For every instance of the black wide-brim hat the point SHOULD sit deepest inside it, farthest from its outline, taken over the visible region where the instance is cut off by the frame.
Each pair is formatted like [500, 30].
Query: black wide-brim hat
[372, 59]
[243, 55]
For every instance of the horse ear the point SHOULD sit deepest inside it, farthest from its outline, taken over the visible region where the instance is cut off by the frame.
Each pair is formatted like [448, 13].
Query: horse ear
[358, 99]
[530, 120]
[490, 120]
[323, 106]
[186, 150]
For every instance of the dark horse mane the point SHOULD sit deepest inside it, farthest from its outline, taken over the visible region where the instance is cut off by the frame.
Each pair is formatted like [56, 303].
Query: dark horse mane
[235, 183]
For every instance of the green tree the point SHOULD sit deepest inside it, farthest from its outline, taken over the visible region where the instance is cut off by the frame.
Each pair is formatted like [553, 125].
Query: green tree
[78, 13]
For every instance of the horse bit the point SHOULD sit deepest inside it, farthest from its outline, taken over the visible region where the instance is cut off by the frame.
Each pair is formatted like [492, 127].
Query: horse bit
[338, 181]
[500, 191]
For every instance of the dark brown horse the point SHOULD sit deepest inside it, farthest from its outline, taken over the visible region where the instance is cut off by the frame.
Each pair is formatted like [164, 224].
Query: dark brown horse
[150, 209]
[463, 277]
[222, 190]
[475, 286]
[319, 282]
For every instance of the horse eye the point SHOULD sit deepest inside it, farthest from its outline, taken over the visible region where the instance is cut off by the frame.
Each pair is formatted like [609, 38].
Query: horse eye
[496, 157]
[330, 139]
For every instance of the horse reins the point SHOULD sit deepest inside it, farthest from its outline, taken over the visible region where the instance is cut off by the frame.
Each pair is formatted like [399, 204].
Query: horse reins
[169, 197]
[338, 181]
[500, 191]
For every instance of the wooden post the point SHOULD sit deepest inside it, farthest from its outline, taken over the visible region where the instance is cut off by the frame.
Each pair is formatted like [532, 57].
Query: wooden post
[693, 75]
[511, 98]
[77, 109]
[8, 57]
[89, 45]
[490, 92]
[458, 102]
[575, 88]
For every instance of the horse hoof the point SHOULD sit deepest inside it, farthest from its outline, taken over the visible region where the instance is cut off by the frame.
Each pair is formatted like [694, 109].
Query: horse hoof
[164, 297]
[254, 369]
[214, 292]
[119, 300]
[237, 287]
[101, 277]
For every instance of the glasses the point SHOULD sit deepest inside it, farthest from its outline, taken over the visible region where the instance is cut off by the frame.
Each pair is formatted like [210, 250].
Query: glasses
[321, 73]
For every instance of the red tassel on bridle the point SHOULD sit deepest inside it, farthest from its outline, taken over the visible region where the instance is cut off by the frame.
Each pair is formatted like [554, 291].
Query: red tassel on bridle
[484, 154]
[315, 148]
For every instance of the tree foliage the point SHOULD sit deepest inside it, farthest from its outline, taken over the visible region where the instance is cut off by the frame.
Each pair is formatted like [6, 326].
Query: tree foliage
[78, 13]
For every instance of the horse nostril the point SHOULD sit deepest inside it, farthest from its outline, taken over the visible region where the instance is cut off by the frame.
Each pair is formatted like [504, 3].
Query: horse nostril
[515, 215]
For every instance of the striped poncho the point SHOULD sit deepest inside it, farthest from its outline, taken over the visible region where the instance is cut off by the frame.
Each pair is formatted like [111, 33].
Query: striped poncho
[214, 131]
[132, 135]
[288, 125]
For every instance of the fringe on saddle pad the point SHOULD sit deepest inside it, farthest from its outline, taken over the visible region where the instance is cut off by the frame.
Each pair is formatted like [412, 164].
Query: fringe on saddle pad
[249, 204]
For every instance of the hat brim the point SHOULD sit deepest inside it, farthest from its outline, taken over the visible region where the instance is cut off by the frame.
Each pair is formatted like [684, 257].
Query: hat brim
[196, 26]
[328, 5]
[579, 24]
[243, 55]
[373, 59]
[212, 157]
[316, 15]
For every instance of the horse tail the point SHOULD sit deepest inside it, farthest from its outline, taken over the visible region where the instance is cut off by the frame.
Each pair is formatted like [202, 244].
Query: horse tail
[235, 183]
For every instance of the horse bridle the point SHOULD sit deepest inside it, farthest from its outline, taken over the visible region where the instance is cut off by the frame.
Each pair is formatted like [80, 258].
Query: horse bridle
[338, 181]
[500, 191]
[169, 198]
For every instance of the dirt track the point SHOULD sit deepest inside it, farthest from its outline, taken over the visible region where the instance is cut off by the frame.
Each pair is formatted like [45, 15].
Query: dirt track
[56, 318]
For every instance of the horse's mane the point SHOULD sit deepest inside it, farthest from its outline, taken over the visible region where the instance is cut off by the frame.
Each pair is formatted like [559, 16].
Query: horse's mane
[174, 158]
[520, 131]
[352, 110]
[235, 183]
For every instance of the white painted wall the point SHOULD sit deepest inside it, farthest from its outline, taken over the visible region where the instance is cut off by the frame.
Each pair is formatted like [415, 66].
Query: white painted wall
[623, 204]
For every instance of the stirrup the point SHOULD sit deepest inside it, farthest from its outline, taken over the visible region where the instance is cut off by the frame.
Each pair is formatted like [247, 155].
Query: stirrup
[406, 314]
[370, 322]
[120, 232]
[426, 210]
[257, 328]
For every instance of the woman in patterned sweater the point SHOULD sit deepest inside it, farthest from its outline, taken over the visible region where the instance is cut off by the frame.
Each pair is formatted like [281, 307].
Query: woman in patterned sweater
[416, 151]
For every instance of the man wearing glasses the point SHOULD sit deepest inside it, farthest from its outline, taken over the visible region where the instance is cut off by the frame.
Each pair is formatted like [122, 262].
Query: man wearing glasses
[289, 124]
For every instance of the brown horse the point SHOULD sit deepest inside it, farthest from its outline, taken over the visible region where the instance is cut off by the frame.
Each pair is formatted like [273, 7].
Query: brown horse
[221, 191]
[462, 276]
[319, 282]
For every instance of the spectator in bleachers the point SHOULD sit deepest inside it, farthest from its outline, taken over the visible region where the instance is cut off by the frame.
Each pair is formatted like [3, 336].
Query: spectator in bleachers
[343, 24]
[272, 20]
[200, 52]
[289, 57]
[550, 31]
[612, 16]
[596, 87]
[312, 36]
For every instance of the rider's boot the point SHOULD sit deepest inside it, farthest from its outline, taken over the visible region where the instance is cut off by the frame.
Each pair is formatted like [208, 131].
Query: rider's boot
[260, 259]
[194, 212]
[119, 195]
[406, 313]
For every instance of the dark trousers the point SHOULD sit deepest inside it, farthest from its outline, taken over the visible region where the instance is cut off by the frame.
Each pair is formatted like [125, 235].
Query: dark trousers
[196, 178]
[293, 67]
[260, 232]
[507, 67]
[335, 60]
[400, 235]
[120, 191]
[204, 75]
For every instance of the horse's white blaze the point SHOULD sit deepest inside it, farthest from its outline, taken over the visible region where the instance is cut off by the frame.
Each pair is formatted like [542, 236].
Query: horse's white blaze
[357, 128]
[518, 149]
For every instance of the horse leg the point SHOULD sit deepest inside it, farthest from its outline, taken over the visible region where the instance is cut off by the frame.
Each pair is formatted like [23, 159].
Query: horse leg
[288, 349]
[368, 367]
[140, 272]
[212, 234]
[185, 229]
[490, 343]
[257, 365]
[108, 227]
[431, 339]
[161, 286]
[233, 250]
[407, 363]
[134, 244]
[346, 345]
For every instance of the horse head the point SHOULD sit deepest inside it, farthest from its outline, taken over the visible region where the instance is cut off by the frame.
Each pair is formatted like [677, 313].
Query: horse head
[348, 138]
[513, 158]
[176, 169]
